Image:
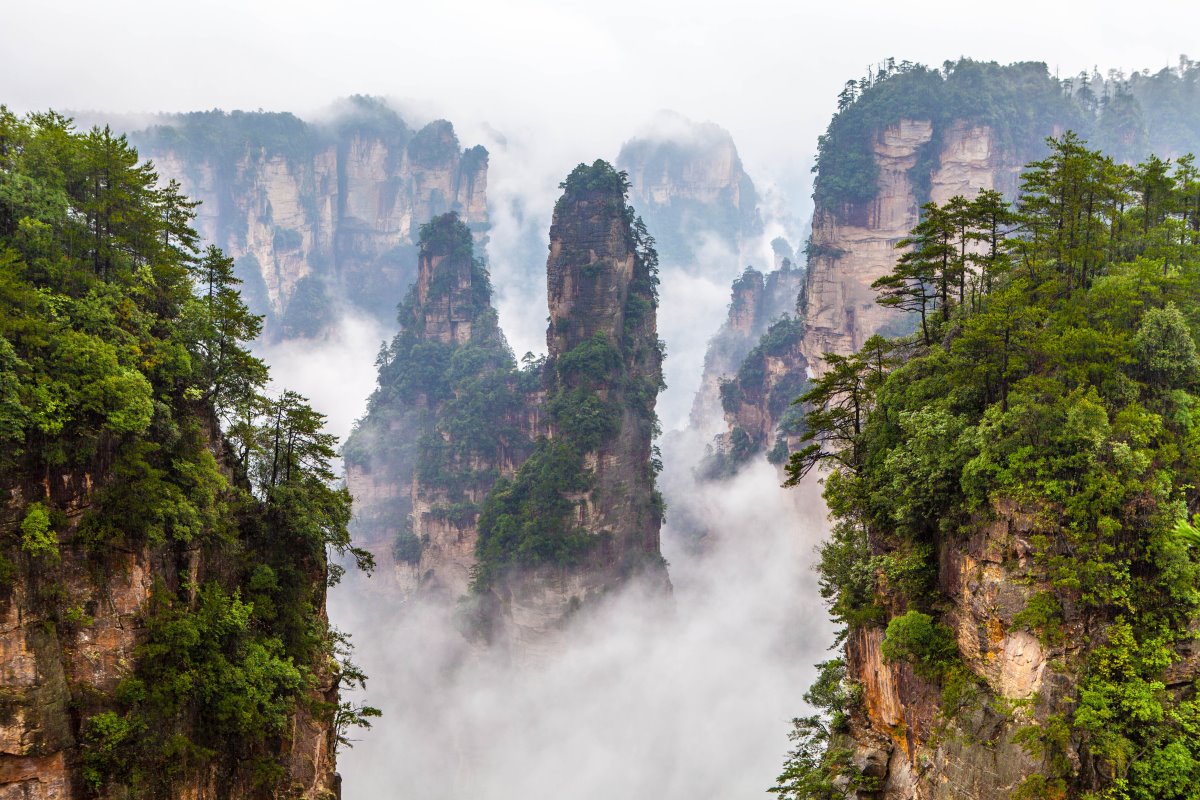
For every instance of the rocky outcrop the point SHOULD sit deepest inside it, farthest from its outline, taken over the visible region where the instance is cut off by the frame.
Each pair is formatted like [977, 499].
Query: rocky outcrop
[603, 374]
[528, 490]
[601, 287]
[428, 451]
[313, 214]
[687, 181]
[920, 748]
[756, 301]
[69, 637]
[855, 245]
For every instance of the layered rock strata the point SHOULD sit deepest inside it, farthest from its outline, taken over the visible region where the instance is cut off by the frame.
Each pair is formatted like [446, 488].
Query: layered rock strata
[854, 246]
[756, 301]
[316, 215]
[465, 462]
[446, 420]
[57, 670]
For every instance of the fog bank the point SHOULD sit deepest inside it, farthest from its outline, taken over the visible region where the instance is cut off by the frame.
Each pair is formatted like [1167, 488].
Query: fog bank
[684, 699]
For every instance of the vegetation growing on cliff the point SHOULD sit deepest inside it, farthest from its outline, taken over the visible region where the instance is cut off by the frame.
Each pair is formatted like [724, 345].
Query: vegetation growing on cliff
[753, 385]
[600, 384]
[126, 374]
[442, 407]
[1067, 388]
[1022, 102]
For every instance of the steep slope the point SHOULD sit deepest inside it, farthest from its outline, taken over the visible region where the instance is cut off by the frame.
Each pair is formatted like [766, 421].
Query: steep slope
[907, 135]
[531, 488]
[162, 584]
[447, 419]
[317, 214]
[755, 302]
[1014, 557]
[582, 515]
[687, 181]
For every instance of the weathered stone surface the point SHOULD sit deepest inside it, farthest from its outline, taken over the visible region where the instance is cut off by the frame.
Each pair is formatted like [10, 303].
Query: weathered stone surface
[347, 213]
[591, 272]
[755, 302]
[853, 247]
[689, 185]
[967, 752]
[55, 672]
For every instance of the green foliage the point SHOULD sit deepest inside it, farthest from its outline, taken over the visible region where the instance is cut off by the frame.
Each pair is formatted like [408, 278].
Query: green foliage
[591, 362]
[225, 138]
[1021, 101]
[434, 145]
[599, 178]
[583, 418]
[206, 662]
[125, 369]
[531, 519]
[1043, 614]
[812, 765]
[406, 547]
[819, 762]
[1165, 350]
[1057, 377]
[37, 539]
[927, 645]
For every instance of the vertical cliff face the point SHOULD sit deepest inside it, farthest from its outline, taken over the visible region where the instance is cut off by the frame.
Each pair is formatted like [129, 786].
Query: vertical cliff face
[162, 576]
[602, 297]
[1014, 632]
[853, 246]
[687, 181]
[756, 302]
[446, 420]
[60, 670]
[319, 214]
[903, 736]
[529, 489]
[582, 516]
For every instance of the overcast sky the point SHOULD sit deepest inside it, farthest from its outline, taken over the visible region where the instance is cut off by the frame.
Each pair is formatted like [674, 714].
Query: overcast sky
[587, 73]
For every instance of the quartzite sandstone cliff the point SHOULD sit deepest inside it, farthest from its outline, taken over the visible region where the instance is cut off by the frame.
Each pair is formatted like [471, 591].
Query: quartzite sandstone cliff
[319, 214]
[453, 414]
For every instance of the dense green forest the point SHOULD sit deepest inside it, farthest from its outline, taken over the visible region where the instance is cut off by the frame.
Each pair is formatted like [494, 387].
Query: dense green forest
[1054, 371]
[126, 372]
[1126, 117]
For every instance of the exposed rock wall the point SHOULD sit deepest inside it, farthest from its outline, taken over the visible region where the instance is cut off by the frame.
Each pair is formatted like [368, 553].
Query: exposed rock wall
[327, 215]
[56, 671]
[755, 302]
[687, 181]
[413, 477]
[903, 732]
[601, 292]
[854, 246]
[600, 285]
[453, 414]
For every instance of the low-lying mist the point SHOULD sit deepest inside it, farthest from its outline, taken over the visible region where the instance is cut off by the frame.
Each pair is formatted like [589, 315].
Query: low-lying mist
[687, 698]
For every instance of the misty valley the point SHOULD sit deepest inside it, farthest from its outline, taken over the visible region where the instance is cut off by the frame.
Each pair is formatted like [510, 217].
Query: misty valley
[348, 458]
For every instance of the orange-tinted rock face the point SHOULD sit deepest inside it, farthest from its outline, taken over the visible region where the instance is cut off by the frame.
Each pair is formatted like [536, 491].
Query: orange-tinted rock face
[941, 753]
[58, 667]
